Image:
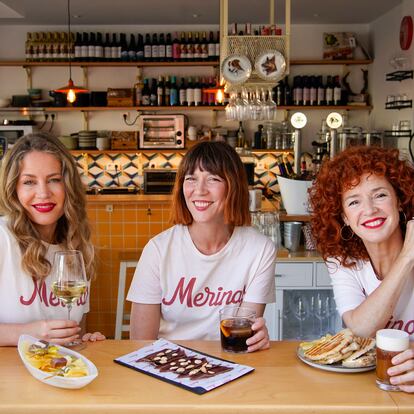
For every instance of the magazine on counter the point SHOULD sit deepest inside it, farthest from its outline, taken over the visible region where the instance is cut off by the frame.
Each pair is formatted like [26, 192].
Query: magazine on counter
[184, 367]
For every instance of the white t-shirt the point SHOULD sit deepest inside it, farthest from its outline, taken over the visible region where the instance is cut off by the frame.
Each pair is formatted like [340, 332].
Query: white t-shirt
[352, 286]
[23, 300]
[192, 287]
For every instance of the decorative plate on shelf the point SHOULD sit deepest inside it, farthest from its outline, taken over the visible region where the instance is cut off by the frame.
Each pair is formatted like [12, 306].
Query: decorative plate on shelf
[236, 69]
[270, 65]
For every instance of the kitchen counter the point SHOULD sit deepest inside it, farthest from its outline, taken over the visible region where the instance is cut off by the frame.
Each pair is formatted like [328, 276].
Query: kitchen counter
[280, 384]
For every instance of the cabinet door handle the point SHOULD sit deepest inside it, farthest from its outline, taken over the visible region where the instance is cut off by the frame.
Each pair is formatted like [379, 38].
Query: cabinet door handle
[278, 275]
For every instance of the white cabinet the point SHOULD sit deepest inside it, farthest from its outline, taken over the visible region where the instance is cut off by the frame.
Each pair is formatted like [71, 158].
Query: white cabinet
[304, 307]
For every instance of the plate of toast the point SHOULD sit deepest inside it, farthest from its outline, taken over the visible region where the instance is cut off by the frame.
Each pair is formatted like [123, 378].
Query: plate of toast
[343, 352]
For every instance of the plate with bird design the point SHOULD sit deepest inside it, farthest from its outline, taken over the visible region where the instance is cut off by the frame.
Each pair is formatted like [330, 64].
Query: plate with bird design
[236, 69]
[270, 65]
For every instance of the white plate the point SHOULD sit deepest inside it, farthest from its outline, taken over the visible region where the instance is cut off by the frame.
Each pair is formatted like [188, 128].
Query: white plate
[270, 65]
[62, 382]
[236, 68]
[333, 367]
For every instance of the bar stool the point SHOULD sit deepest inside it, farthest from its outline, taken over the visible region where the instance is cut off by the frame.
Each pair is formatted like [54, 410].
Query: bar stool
[119, 325]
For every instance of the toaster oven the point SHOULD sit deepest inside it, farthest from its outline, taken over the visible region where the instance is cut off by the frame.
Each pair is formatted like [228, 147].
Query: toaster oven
[161, 131]
[159, 180]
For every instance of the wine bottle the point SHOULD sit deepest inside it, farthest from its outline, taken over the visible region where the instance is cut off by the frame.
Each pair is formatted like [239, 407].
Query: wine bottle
[138, 89]
[132, 49]
[320, 97]
[154, 48]
[211, 47]
[91, 48]
[140, 48]
[183, 93]
[147, 48]
[196, 47]
[190, 47]
[99, 48]
[190, 92]
[161, 48]
[306, 90]
[197, 92]
[204, 47]
[173, 92]
[176, 49]
[167, 91]
[85, 47]
[78, 47]
[146, 93]
[107, 48]
[337, 91]
[168, 48]
[329, 91]
[153, 92]
[313, 91]
[160, 91]
[183, 47]
[124, 48]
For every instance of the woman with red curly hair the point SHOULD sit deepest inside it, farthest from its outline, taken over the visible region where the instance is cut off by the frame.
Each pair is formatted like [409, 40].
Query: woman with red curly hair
[363, 222]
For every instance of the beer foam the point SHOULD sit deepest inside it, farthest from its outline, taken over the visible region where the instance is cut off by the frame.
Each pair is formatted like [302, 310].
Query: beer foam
[392, 340]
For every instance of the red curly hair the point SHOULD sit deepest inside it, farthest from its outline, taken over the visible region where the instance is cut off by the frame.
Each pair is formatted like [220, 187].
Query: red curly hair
[342, 173]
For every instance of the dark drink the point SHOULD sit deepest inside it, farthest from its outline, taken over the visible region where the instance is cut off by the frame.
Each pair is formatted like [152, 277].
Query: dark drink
[234, 333]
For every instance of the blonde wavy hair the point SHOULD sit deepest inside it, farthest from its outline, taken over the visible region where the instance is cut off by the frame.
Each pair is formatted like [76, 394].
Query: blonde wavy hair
[72, 230]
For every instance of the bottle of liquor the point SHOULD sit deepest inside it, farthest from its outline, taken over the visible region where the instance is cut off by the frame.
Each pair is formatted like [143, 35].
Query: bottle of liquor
[320, 97]
[337, 91]
[154, 48]
[257, 142]
[168, 48]
[217, 56]
[161, 48]
[114, 48]
[160, 91]
[167, 91]
[140, 48]
[146, 93]
[287, 92]
[197, 92]
[190, 92]
[211, 47]
[153, 92]
[132, 49]
[138, 89]
[190, 47]
[173, 92]
[182, 93]
[313, 91]
[306, 90]
[329, 91]
[147, 48]
[183, 47]
[107, 48]
[241, 138]
[204, 47]
[176, 49]
[99, 48]
[91, 48]
[85, 47]
[124, 48]
[196, 47]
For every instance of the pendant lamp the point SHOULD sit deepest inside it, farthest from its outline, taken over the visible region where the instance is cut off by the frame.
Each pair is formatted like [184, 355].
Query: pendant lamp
[70, 89]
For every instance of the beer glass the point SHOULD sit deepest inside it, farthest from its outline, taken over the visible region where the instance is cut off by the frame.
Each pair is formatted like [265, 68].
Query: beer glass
[390, 342]
[236, 327]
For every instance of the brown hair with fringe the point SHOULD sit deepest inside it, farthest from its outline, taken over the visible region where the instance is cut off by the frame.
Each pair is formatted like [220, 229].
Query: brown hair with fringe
[72, 230]
[339, 175]
[220, 159]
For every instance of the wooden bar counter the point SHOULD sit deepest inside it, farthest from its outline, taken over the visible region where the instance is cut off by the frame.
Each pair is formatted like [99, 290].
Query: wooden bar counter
[281, 383]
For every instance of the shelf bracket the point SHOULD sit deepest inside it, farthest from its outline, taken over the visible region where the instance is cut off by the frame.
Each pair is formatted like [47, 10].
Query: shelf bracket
[85, 77]
[28, 70]
[85, 120]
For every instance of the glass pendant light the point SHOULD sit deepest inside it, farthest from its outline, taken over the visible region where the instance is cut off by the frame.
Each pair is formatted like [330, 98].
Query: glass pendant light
[70, 89]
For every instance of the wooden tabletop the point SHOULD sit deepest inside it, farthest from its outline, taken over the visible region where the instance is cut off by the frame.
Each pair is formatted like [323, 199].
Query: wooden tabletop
[280, 383]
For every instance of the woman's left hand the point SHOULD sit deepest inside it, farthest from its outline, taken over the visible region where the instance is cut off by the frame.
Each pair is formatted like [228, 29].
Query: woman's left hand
[402, 373]
[260, 340]
[92, 337]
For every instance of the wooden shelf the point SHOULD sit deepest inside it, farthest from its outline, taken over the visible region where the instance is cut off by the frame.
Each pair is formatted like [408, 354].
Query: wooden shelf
[108, 64]
[133, 108]
[297, 62]
[172, 150]
[330, 107]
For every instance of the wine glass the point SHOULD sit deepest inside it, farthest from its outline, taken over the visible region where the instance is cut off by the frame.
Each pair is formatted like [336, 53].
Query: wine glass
[300, 313]
[320, 313]
[69, 280]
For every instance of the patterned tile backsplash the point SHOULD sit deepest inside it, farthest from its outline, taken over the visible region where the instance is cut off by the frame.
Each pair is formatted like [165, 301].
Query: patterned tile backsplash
[98, 170]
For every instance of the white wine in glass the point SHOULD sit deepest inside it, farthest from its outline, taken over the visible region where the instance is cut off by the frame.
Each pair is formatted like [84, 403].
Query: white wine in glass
[69, 279]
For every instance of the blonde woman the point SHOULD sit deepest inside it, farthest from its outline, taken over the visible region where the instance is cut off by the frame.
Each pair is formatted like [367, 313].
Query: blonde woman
[42, 205]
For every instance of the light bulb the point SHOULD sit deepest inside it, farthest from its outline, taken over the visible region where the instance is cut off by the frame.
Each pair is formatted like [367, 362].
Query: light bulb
[71, 96]
[219, 96]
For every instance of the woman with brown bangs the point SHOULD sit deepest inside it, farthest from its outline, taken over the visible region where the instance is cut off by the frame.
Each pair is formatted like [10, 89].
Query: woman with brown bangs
[210, 258]
[43, 206]
[363, 222]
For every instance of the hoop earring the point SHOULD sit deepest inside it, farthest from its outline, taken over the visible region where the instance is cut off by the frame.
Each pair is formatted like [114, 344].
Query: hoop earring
[341, 233]
[405, 218]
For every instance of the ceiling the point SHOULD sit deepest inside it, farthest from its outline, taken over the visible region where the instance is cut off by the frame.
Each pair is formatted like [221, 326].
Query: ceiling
[152, 12]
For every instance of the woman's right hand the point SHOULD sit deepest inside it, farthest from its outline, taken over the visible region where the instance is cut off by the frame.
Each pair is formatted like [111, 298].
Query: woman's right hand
[408, 247]
[58, 331]
[402, 373]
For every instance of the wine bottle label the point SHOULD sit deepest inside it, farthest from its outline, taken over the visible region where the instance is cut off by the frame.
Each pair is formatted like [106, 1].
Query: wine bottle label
[98, 51]
[108, 52]
[211, 50]
[197, 96]
[190, 96]
[91, 51]
[183, 51]
[176, 51]
[138, 96]
[147, 51]
[169, 51]
[174, 97]
[161, 51]
[85, 52]
[183, 96]
[204, 51]
[114, 52]
[154, 51]
[329, 95]
[78, 52]
[321, 96]
[196, 51]
[145, 100]
[217, 49]
[337, 95]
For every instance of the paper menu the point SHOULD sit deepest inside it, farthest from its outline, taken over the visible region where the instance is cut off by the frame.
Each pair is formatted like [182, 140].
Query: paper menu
[198, 386]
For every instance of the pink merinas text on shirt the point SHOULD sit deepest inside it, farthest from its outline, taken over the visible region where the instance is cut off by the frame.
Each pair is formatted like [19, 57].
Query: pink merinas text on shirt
[49, 299]
[184, 294]
[401, 325]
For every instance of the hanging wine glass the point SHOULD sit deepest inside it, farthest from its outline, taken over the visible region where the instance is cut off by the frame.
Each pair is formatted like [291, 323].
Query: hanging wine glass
[231, 108]
[69, 281]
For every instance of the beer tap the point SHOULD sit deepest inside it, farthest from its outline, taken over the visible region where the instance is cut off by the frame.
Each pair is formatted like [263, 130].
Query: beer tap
[334, 121]
[298, 120]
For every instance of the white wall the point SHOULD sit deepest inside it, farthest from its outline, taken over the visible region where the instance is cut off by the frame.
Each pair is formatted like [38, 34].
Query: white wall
[306, 42]
[385, 40]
